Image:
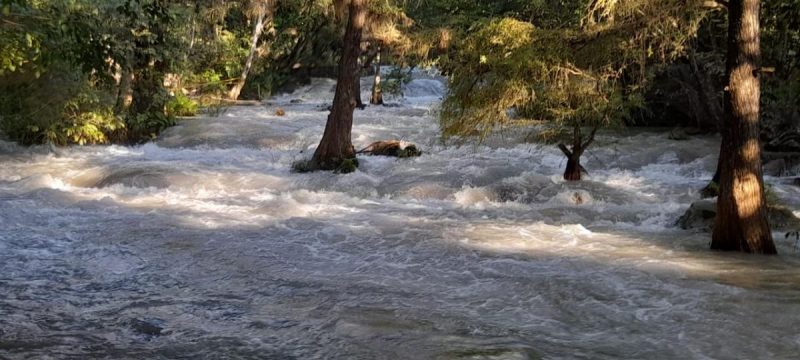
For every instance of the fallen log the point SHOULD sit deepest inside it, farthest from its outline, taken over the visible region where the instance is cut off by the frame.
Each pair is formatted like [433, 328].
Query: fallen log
[395, 148]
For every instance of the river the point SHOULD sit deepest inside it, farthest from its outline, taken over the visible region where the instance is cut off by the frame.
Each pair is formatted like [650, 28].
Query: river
[203, 244]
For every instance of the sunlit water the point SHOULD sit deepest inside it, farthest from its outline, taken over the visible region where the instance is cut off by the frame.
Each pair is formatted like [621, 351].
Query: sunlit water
[466, 252]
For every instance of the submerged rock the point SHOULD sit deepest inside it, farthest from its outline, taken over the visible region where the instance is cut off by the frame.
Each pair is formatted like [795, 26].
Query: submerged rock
[136, 177]
[147, 327]
[701, 214]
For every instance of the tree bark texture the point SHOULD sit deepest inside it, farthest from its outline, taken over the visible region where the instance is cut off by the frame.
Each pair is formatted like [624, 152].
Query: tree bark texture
[336, 144]
[741, 221]
[573, 172]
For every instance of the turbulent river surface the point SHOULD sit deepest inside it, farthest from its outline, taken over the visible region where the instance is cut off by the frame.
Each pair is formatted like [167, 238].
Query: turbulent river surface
[204, 245]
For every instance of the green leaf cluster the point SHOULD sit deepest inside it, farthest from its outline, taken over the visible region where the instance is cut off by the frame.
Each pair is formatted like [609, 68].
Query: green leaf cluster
[509, 72]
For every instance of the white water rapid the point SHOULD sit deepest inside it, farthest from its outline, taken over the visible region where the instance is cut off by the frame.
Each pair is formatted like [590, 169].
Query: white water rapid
[205, 245]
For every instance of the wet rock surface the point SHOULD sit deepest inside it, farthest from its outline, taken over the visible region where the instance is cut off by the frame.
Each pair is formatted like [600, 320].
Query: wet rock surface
[148, 327]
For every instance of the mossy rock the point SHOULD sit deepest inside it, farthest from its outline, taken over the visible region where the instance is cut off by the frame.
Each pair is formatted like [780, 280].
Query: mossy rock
[711, 190]
[304, 166]
[347, 166]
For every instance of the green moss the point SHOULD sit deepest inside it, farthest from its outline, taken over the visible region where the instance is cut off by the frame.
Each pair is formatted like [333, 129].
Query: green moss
[347, 166]
[711, 190]
[771, 196]
[304, 166]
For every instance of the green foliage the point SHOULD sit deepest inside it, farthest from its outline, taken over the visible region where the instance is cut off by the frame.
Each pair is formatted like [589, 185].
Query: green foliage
[181, 105]
[771, 197]
[347, 166]
[59, 108]
[207, 82]
[147, 126]
[395, 80]
[589, 75]
[213, 106]
[463, 15]
[711, 190]
[88, 119]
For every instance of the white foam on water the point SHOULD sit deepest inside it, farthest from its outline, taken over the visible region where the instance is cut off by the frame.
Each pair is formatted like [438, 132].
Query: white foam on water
[465, 251]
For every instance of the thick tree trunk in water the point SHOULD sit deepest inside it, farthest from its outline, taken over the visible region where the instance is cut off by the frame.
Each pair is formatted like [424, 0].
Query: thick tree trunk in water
[336, 145]
[257, 31]
[741, 221]
[377, 93]
[574, 168]
[573, 171]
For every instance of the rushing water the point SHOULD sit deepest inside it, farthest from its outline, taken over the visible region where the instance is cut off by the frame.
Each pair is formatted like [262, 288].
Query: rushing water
[204, 245]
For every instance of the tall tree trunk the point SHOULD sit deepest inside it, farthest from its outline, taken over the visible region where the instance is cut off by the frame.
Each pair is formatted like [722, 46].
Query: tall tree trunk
[257, 31]
[377, 93]
[336, 145]
[741, 221]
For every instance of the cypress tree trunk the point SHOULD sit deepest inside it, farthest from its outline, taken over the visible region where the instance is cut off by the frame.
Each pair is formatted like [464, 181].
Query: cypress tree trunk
[257, 31]
[741, 221]
[574, 168]
[377, 93]
[336, 145]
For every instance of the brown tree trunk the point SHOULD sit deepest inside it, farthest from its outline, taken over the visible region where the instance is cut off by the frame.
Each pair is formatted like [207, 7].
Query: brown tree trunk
[377, 93]
[336, 145]
[233, 94]
[573, 172]
[741, 221]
